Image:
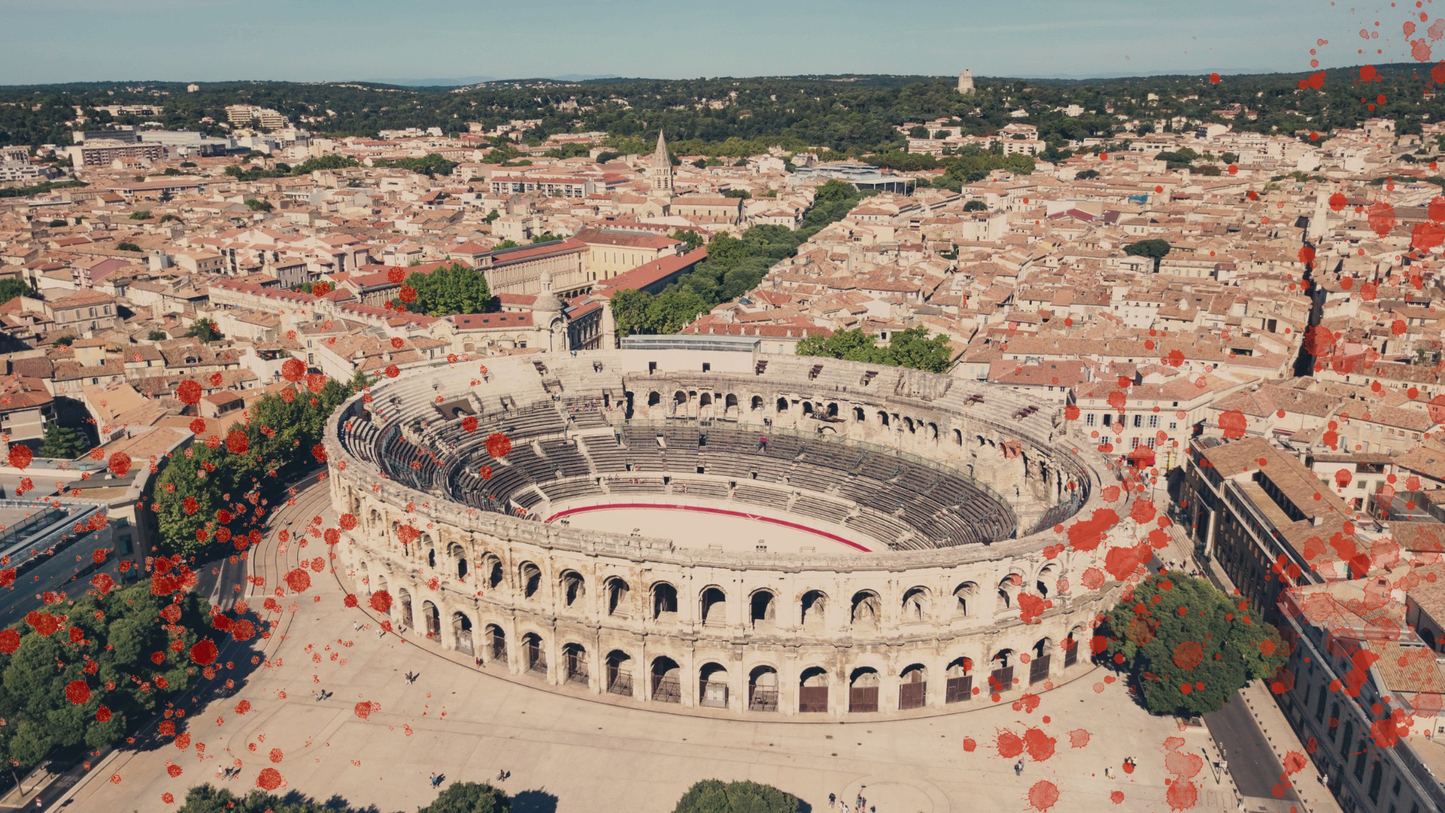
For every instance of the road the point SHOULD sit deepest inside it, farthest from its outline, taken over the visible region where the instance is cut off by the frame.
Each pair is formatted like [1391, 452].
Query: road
[1255, 768]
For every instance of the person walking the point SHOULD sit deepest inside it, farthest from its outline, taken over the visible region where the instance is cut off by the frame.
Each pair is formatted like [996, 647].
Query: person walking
[832, 800]
[1019, 768]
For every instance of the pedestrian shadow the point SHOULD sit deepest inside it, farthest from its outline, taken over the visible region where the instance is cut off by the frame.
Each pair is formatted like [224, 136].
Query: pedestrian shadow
[534, 801]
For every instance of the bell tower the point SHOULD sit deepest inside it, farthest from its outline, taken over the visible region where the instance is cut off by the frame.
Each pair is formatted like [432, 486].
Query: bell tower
[659, 170]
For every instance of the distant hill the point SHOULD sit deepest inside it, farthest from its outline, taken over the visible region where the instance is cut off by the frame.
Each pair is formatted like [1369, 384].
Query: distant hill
[463, 81]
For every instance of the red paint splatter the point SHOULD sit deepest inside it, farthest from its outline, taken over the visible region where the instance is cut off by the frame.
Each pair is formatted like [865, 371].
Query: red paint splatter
[498, 445]
[119, 464]
[269, 779]
[1078, 738]
[20, 456]
[1188, 655]
[1088, 534]
[1031, 608]
[1232, 423]
[77, 692]
[1182, 795]
[204, 652]
[298, 580]
[1117, 797]
[381, 601]
[1040, 745]
[1009, 744]
[364, 709]
[1043, 795]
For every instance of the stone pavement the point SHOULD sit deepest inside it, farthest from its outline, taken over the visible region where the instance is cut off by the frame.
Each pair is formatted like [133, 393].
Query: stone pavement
[376, 739]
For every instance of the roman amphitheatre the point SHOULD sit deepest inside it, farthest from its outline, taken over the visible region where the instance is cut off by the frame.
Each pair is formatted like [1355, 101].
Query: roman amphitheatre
[726, 533]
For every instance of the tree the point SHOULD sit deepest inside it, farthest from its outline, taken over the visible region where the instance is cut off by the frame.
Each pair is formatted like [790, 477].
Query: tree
[258, 205]
[629, 311]
[716, 796]
[1187, 646]
[688, 236]
[126, 246]
[11, 287]
[156, 335]
[205, 330]
[506, 244]
[141, 214]
[449, 290]
[1153, 248]
[908, 348]
[62, 443]
[918, 132]
[975, 206]
[66, 340]
[469, 797]
[1087, 175]
[58, 223]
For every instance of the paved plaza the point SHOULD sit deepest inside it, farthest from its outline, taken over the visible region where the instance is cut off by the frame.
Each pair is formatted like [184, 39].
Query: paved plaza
[577, 755]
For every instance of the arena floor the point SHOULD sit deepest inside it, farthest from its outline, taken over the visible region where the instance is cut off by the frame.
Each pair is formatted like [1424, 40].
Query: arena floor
[716, 526]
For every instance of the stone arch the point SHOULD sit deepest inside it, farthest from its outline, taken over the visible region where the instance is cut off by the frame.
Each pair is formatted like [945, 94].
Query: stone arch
[863, 685]
[403, 605]
[814, 608]
[494, 641]
[654, 398]
[529, 578]
[431, 558]
[916, 604]
[462, 632]
[867, 610]
[534, 654]
[618, 596]
[807, 408]
[882, 418]
[1008, 590]
[432, 619]
[705, 399]
[1042, 652]
[958, 681]
[957, 438]
[909, 425]
[666, 682]
[362, 576]
[572, 587]
[912, 687]
[832, 410]
[712, 685]
[730, 404]
[491, 568]
[763, 688]
[963, 595]
[813, 690]
[932, 431]
[859, 415]
[619, 673]
[574, 664]
[713, 605]
[763, 609]
[1046, 580]
[1001, 679]
[756, 404]
[459, 558]
[782, 405]
[664, 601]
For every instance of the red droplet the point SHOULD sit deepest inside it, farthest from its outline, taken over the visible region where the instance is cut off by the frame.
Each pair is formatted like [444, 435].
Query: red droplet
[269, 779]
[1043, 795]
[77, 692]
[189, 392]
[204, 652]
[363, 709]
[1214, 77]
[298, 580]
[20, 456]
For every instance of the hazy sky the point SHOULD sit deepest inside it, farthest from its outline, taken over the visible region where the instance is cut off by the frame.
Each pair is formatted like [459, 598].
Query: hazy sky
[310, 40]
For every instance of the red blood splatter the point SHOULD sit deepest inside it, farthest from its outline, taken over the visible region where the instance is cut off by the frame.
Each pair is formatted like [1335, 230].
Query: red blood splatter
[173, 769]
[103, 583]
[77, 692]
[293, 370]
[349, 601]
[1214, 77]
[381, 601]
[1183, 765]
[498, 445]
[1117, 797]
[1093, 578]
[269, 779]
[119, 464]
[243, 707]
[1182, 795]
[1078, 738]
[103, 715]
[469, 423]
[1381, 217]
[364, 708]
[347, 522]
[7, 577]
[43, 623]
[1031, 608]
[1122, 562]
[204, 652]
[1040, 745]
[395, 275]
[20, 456]
[1188, 655]
[1088, 534]
[1043, 795]
[189, 391]
[1009, 744]
[1337, 201]
[242, 630]
[298, 580]
[236, 442]
[168, 797]
[1232, 423]
[275, 755]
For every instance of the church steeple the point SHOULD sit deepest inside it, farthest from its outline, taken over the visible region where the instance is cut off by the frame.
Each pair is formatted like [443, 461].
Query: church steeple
[659, 171]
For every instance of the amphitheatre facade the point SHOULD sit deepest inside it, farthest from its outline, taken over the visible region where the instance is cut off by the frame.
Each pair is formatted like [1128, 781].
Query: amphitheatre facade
[727, 532]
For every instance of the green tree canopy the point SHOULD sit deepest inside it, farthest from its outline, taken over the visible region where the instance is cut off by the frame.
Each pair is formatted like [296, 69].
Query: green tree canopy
[1187, 645]
[11, 287]
[205, 330]
[688, 236]
[128, 658]
[450, 290]
[62, 443]
[258, 205]
[975, 205]
[907, 348]
[1153, 248]
[470, 797]
[716, 796]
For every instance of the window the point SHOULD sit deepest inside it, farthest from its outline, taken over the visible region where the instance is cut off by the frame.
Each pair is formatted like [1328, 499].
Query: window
[1138, 421]
[1151, 442]
[1360, 757]
[1108, 418]
[1133, 443]
[1376, 776]
[1090, 419]
[1153, 421]
[1173, 425]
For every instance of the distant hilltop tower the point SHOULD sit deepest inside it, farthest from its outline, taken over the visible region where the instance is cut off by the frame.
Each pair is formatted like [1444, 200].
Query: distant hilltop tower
[965, 82]
[659, 171]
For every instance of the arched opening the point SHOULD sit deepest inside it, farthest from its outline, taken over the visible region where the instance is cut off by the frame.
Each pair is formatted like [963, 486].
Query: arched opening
[814, 607]
[782, 405]
[1046, 580]
[832, 409]
[863, 690]
[762, 610]
[913, 687]
[530, 577]
[959, 685]
[813, 691]
[1071, 646]
[714, 607]
[756, 403]
[1039, 664]
[1002, 677]
[433, 621]
[403, 601]
[763, 689]
[617, 598]
[1007, 589]
[932, 431]
[882, 418]
[866, 610]
[858, 414]
[574, 664]
[363, 577]
[957, 438]
[730, 404]
[492, 567]
[534, 657]
[704, 400]
[431, 557]
[679, 398]
[915, 605]
[666, 687]
[619, 673]
[664, 602]
[807, 408]
[653, 399]
[712, 686]
[459, 555]
[574, 589]
[910, 426]
[462, 632]
[963, 595]
[495, 641]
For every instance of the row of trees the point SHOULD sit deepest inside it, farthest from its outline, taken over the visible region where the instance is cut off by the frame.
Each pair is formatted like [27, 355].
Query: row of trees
[90, 674]
[447, 291]
[431, 165]
[281, 170]
[733, 267]
[708, 796]
[906, 348]
[200, 493]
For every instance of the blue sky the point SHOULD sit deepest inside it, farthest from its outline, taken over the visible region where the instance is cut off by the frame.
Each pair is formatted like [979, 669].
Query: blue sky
[328, 40]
